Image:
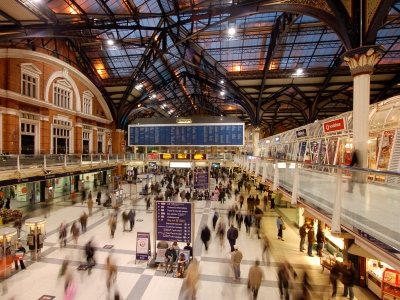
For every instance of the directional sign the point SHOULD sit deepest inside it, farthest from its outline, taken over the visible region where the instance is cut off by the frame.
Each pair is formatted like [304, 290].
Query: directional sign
[129, 173]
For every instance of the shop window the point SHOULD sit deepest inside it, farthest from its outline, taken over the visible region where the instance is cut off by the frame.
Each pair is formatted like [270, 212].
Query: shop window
[62, 94]
[30, 76]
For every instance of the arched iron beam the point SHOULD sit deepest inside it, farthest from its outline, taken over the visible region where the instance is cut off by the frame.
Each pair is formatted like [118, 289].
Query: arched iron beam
[246, 9]
[388, 85]
[278, 32]
[332, 71]
[378, 20]
[296, 106]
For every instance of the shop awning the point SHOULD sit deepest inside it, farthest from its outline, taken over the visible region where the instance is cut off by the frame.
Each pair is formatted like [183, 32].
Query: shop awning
[357, 250]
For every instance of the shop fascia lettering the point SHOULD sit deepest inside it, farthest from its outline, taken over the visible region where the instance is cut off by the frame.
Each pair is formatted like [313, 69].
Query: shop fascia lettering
[335, 125]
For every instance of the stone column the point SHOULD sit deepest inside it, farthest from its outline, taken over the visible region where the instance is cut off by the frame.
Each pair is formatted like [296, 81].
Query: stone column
[361, 62]
[256, 139]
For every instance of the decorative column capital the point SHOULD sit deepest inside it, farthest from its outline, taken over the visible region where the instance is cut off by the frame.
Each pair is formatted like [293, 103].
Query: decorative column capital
[256, 129]
[362, 60]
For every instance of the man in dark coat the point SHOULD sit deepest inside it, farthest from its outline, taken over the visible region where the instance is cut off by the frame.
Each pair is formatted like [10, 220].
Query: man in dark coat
[232, 234]
[215, 220]
[205, 236]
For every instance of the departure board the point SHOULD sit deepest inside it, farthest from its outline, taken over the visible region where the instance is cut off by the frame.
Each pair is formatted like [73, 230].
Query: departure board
[174, 221]
[221, 134]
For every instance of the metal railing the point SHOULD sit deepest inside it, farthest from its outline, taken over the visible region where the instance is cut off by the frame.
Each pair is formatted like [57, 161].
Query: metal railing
[366, 205]
[11, 162]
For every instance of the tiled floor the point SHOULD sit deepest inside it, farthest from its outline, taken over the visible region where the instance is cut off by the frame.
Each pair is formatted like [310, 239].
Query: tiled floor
[138, 281]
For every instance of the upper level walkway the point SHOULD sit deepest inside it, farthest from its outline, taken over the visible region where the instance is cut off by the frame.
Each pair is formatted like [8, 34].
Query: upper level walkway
[363, 202]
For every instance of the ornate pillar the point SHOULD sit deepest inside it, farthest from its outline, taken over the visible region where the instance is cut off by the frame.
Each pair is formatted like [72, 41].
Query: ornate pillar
[361, 62]
[256, 139]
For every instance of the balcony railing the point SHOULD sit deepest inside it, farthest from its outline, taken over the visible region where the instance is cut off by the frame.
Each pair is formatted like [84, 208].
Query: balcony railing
[10, 162]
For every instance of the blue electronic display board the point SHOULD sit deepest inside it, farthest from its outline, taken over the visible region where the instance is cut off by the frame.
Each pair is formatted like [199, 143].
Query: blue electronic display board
[228, 134]
[174, 221]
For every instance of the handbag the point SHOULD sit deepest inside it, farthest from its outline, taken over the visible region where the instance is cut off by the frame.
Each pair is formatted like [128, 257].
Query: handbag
[283, 226]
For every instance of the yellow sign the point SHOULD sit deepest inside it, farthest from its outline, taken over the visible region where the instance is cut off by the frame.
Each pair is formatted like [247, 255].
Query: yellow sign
[183, 156]
[199, 157]
[183, 121]
[166, 156]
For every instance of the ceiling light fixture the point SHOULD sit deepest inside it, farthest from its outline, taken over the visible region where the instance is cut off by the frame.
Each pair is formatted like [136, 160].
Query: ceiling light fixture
[222, 93]
[110, 42]
[153, 96]
[299, 71]
[222, 81]
[231, 31]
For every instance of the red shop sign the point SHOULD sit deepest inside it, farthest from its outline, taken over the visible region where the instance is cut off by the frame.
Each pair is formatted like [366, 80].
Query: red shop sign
[335, 125]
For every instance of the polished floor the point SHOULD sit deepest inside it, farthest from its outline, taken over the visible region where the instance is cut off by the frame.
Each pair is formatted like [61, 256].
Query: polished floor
[138, 281]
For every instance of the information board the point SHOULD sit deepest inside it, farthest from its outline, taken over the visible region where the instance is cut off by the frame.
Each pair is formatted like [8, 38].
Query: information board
[218, 134]
[174, 221]
[201, 180]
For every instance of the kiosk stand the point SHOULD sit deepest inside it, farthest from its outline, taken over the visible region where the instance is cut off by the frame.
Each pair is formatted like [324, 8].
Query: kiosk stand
[35, 237]
[7, 238]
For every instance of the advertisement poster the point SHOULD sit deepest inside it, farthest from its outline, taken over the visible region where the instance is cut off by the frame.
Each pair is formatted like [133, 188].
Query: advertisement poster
[142, 246]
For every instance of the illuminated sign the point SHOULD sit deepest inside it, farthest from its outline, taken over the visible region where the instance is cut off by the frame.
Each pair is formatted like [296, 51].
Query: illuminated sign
[183, 121]
[166, 156]
[335, 125]
[183, 156]
[152, 156]
[301, 133]
[199, 156]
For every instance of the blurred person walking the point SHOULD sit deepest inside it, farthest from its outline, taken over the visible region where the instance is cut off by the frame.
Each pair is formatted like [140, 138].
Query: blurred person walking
[254, 279]
[111, 276]
[89, 249]
[62, 234]
[75, 232]
[239, 220]
[83, 220]
[112, 222]
[247, 222]
[131, 216]
[286, 274]
[125, 220]
[90, 203]
[232, 234]
[215, 220]
[279, 225]
[236, 258]
[205, 236]
[192, 277]
[266, 245]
